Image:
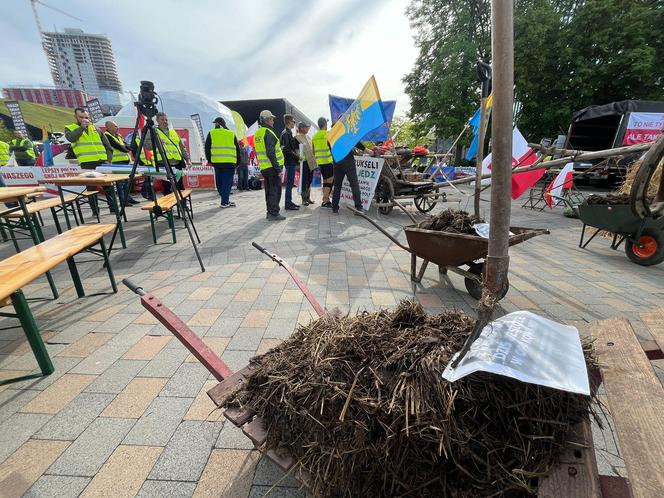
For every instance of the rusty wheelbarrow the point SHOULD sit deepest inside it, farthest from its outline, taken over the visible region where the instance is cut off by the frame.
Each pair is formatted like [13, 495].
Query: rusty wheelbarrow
[252, 426]
[450, 251]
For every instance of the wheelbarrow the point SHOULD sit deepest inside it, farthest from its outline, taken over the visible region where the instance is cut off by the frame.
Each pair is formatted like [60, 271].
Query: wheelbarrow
[643, 237]
[450, 251]
[252, 426]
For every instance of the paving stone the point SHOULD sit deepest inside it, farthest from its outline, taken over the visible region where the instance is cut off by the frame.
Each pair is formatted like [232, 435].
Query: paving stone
[247, 339]
[237, 360]
[106, 313]
[26, 464]
[135, 398]
[232, 437]
[237, 309]
[73, 332]
[55, 397]
[170, 489]
[159, 422]
[71, 421]
[100, 360]
[11, 401]
[187, 452]
[203, 408]
[124, 472]
[86, 345]
[276, 492]
[227, 473]
[165, 363]
[116, 377]
[147, 348]
[187, 381]
[91, 449]
[279, 328]
[225, 327]
[268, 474]
[17, 429]
[62, 366]
[58, 486]
[216, 344]
[205, 316]
[116, 323]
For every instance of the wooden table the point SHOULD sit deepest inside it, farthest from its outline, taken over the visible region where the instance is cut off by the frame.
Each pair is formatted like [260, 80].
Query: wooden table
[19, 195]
[107, 181]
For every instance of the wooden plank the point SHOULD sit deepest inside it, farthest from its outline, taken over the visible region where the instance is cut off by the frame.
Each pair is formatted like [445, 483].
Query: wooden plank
[165, 202]
[255, 430]
[12, 193]
[239, 416]
[107, 179]
[219, 392]
[614, 487]
[636, 402]
[576, 473]
[652, 350]
[35, 207]
[654, 320]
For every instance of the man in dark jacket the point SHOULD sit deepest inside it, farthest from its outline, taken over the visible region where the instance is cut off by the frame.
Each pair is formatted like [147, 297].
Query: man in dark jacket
[345, 168]
[222, 150]
[291, 150]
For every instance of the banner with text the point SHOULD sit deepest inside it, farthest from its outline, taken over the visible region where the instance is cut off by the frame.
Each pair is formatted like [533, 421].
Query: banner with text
[368, 173]
[27, 176]
[643, 127]
[17, 117]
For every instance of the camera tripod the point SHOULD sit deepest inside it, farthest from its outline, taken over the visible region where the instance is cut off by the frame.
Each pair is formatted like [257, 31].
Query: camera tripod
[157, 145]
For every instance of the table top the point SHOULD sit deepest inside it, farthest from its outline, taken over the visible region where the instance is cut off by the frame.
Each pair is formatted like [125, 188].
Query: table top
[9, 193]
[71, 181]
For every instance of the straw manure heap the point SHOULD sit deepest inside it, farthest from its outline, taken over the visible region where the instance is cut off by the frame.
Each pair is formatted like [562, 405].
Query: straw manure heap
[608, 199]
[453, 221]
[360, 402]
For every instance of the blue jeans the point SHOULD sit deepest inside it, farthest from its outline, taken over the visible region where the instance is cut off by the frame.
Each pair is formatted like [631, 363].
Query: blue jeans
[290, 183]
[223, 178]
[243, 178]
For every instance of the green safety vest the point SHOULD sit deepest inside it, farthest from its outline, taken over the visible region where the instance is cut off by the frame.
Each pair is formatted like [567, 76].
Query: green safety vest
[30, 151]
[223, 148]
[144, 158]
[4, 153]
[118, 155]
[171, 145]
[89, 147]
[321, 149]
[261, 151]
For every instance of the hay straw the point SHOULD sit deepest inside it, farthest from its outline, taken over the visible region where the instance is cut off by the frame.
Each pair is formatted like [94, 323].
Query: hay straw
[453, 221]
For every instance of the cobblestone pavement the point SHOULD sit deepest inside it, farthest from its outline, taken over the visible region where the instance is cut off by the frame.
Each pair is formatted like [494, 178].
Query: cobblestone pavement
[126, 413]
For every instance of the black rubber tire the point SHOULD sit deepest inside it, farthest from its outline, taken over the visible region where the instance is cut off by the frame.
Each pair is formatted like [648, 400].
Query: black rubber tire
[383, 194]
[474, 287]
[656, 258]
[425, 204]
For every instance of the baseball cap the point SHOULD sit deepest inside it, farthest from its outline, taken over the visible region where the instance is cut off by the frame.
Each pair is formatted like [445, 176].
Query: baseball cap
[302, 124]
[220, 120]
[266, 114]
[322, 122]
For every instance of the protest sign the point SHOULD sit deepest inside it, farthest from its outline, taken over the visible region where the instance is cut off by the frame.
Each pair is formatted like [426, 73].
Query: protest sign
[368, 173]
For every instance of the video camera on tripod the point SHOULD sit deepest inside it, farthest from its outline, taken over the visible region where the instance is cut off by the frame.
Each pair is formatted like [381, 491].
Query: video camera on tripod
[147, 100]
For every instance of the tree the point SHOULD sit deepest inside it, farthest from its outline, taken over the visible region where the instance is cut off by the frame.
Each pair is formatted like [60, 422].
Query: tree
[568, 54]
[409, 134]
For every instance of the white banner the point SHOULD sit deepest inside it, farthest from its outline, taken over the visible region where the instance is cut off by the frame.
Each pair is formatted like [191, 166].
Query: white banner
[643, 127]
[368, 173]
[17, 117]
[529, 348]
[27, 176]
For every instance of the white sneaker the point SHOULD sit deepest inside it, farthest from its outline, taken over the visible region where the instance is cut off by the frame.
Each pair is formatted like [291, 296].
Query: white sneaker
[224, 206]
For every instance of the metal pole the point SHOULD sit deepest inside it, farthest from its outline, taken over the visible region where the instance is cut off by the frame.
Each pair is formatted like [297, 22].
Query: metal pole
[502, 50]
[480, 156]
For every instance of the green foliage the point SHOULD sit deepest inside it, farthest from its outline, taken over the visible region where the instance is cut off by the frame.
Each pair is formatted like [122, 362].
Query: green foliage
[55, 118]
[568, 54]
[5, 134]
[409, 135]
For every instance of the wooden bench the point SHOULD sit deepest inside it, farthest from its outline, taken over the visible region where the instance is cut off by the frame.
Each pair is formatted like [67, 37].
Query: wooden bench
[166, 204]
[635, 398]
[20, 269]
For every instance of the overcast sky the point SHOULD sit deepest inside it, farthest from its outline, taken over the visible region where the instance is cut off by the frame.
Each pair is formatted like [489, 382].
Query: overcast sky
[302, 50]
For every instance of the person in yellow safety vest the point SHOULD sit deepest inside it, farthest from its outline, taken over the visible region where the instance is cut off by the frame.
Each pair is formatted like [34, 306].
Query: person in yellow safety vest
[146, 188]
[4, 153]
[222, 151]
[120, 156]
[87, 142]
[270, 161]
[176, 152]
[23, 149]
[324, 159]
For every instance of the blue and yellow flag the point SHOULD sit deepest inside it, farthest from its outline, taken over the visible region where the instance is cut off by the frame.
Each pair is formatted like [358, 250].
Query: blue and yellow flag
[474, 122]
[364, 115]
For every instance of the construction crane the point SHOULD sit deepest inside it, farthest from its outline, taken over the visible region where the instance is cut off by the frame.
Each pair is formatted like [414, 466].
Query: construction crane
[33, 4]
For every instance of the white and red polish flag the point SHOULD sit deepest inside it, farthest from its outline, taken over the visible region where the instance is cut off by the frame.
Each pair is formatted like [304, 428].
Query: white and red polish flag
[522, 157]
[562, 181]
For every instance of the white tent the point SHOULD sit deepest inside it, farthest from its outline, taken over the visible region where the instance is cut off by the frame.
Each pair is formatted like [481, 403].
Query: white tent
[182, 104]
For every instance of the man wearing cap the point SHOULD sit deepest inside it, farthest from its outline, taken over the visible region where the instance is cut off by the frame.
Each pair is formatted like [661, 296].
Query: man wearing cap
[176, 153]
[120, 156]
[324, 160]
[270, 161]
[222, 150]
[309, 161]
[291, 150]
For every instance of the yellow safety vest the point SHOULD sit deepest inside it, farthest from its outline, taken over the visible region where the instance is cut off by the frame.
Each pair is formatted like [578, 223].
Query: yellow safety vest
[89, 147]
[118, 155]
[261, 151]
[223, 148]
[171, 145]
[30, 151]
[142, 155]
[4, 153]
[321, 150]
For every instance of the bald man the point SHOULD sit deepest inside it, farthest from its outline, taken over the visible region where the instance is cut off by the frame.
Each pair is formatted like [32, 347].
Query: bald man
[120, 156]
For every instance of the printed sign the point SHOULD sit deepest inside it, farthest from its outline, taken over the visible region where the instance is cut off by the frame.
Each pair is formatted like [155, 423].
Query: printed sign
[529, 348]
[94, 109]
[643, 127]
[368, 173]
[27, 176]
[17, 117]
[196, 118]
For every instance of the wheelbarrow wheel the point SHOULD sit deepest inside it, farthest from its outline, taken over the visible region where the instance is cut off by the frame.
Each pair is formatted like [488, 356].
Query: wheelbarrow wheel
[474, 286]
[424, 204]
[649, 250]
[383, 196]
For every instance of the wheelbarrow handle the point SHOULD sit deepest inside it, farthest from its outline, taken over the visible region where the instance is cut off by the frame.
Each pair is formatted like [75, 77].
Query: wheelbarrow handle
[260, 248]
[135, 288]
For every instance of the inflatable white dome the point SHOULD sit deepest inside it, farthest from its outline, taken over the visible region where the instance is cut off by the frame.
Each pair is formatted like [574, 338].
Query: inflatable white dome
[182, 104]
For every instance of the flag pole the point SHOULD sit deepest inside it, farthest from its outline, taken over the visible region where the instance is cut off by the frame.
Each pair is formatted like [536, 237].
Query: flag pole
[480, 155]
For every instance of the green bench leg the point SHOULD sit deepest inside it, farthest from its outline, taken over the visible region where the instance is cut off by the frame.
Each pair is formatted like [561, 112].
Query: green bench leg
[3, 234]
[154, 231]
[40, 237]
[34, 338]
[107, 262]
[56, 220]
[171, 224]
[80, 212]
[113, 200]
[75, 277]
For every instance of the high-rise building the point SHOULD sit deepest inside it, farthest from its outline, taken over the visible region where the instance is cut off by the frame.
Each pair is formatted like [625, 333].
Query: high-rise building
[84, 61]
[64, 97]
